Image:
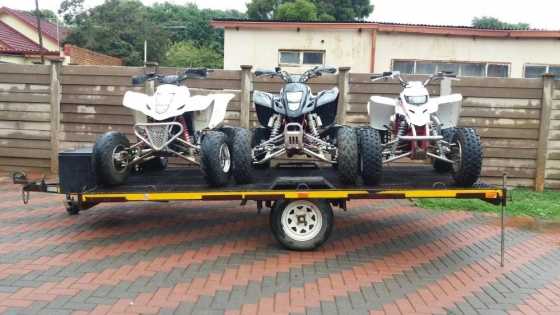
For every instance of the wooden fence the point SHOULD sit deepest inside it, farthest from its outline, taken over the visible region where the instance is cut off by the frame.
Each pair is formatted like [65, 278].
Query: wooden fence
[46, 109]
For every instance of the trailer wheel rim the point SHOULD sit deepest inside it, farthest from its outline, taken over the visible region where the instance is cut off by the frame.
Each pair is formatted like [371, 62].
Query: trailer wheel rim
[225, 158]
[302, 220]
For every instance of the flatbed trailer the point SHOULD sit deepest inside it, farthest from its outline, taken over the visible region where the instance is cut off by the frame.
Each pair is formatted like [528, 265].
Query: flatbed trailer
[300, 197]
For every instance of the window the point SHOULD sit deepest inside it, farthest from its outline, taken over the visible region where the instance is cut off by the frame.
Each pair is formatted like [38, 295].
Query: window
[301, 57]
[464, 69]
[536, 71]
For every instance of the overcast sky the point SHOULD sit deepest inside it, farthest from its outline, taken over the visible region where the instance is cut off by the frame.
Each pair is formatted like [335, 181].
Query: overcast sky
[538, 13]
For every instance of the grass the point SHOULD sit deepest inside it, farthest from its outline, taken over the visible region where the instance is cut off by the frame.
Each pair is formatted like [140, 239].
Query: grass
[545, 205]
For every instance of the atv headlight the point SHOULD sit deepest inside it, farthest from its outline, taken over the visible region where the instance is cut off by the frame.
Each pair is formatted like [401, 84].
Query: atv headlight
[162, 102]
[294, 99]
[417, 100]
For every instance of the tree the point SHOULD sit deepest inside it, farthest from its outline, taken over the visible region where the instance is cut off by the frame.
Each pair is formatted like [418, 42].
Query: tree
[70, 10]
[326, 10]
[493, 23]
[45, 14]
[299, 10]
[189, 23]
[187, 54]
[119, 28]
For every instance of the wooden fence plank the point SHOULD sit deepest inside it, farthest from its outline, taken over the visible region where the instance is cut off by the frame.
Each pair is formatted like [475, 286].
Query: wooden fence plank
[24, 116]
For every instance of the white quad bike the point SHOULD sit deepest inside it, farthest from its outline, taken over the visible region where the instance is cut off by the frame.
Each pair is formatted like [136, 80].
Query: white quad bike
[419, 127]
[178, 124]
[296, 122]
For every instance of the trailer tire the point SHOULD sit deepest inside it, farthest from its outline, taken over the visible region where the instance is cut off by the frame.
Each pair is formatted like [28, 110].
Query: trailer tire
[315, 228]
[241, 156]
[467, 172]
[439, 165]
[215, 158]
[104, 166]
[348, 159]
[371, 159]
[260, 134]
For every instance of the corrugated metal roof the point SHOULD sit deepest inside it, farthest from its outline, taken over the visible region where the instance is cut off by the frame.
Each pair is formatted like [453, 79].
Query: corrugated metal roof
[377, 22]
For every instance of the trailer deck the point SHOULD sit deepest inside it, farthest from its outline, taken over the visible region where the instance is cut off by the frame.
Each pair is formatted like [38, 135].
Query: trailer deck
[416, 181]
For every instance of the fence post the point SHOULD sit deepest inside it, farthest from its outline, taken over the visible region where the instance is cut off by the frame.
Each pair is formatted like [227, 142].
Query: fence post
[445, 86]
[343, 90]
[245, 102]
[55, 95]
[542, 148]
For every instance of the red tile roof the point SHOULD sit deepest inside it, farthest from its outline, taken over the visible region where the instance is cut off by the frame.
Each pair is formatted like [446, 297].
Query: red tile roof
[14, 41]
[47, 28]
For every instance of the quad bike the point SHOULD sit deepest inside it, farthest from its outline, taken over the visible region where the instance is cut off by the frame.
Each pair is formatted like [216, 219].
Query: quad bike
[299, 123]
[419, 127]
[178, 124]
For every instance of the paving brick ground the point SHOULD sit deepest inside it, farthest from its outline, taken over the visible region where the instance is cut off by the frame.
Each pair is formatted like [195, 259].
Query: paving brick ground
[383, 258]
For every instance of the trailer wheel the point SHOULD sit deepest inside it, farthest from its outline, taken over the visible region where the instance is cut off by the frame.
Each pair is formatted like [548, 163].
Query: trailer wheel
[439, 165]
[301, 224]
[260, 134]
[467, 155]
[371, 159]
[109, 170]
[242, 157]
[348, 159]
[72, 208]
[215, 158]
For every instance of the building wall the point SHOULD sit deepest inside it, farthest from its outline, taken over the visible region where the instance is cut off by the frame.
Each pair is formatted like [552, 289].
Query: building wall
[517, 52]
[29, 32]
[260, 47]
[353, 48]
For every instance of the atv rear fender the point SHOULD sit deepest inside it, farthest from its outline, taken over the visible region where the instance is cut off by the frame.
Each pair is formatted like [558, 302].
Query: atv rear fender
[380, 109]
[449, 109]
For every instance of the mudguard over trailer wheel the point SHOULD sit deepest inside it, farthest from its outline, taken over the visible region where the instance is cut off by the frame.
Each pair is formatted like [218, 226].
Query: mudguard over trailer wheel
[301, 224]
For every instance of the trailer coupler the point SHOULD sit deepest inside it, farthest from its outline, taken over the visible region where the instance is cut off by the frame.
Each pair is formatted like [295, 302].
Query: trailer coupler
[27, 186]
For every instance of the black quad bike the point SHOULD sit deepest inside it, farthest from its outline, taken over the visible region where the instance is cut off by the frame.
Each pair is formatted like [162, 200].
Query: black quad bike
[297, 122]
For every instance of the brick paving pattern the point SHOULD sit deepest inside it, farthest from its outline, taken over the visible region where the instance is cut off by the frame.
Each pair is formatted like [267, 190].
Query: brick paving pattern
[384, 257]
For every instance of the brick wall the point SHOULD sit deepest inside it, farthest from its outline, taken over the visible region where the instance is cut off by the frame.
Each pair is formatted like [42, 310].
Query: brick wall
[82, 56]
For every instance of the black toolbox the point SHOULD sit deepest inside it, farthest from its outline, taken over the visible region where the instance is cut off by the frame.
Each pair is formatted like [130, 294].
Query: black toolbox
[76, 173]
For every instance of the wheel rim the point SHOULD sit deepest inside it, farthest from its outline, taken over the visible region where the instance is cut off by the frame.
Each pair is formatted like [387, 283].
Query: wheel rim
[119, 165]
[457, 156]
[225, 158]
[302, 220]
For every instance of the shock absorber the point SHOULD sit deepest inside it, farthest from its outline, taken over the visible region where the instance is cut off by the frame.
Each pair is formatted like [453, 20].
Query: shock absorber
[186, 134]
[312, 125]
[276, 125]
[400, 132]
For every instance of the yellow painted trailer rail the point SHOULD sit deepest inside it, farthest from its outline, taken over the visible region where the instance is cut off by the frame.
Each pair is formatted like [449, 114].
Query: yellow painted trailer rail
[493, 195]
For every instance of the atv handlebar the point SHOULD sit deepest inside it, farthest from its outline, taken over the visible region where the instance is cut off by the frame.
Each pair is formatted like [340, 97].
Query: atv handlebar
[397, 75]
[286, 77]
[188, 73]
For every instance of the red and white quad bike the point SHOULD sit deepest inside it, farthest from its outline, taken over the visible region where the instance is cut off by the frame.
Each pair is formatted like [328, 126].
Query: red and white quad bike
[178, 124]
[419, 127]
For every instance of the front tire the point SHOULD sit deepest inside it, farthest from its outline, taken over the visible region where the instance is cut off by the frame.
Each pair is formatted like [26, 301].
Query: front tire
[215, 158]
[371, 158]
[467, 152]
[109, 171]
[242, 157]
[301, 224]
[348, 159]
